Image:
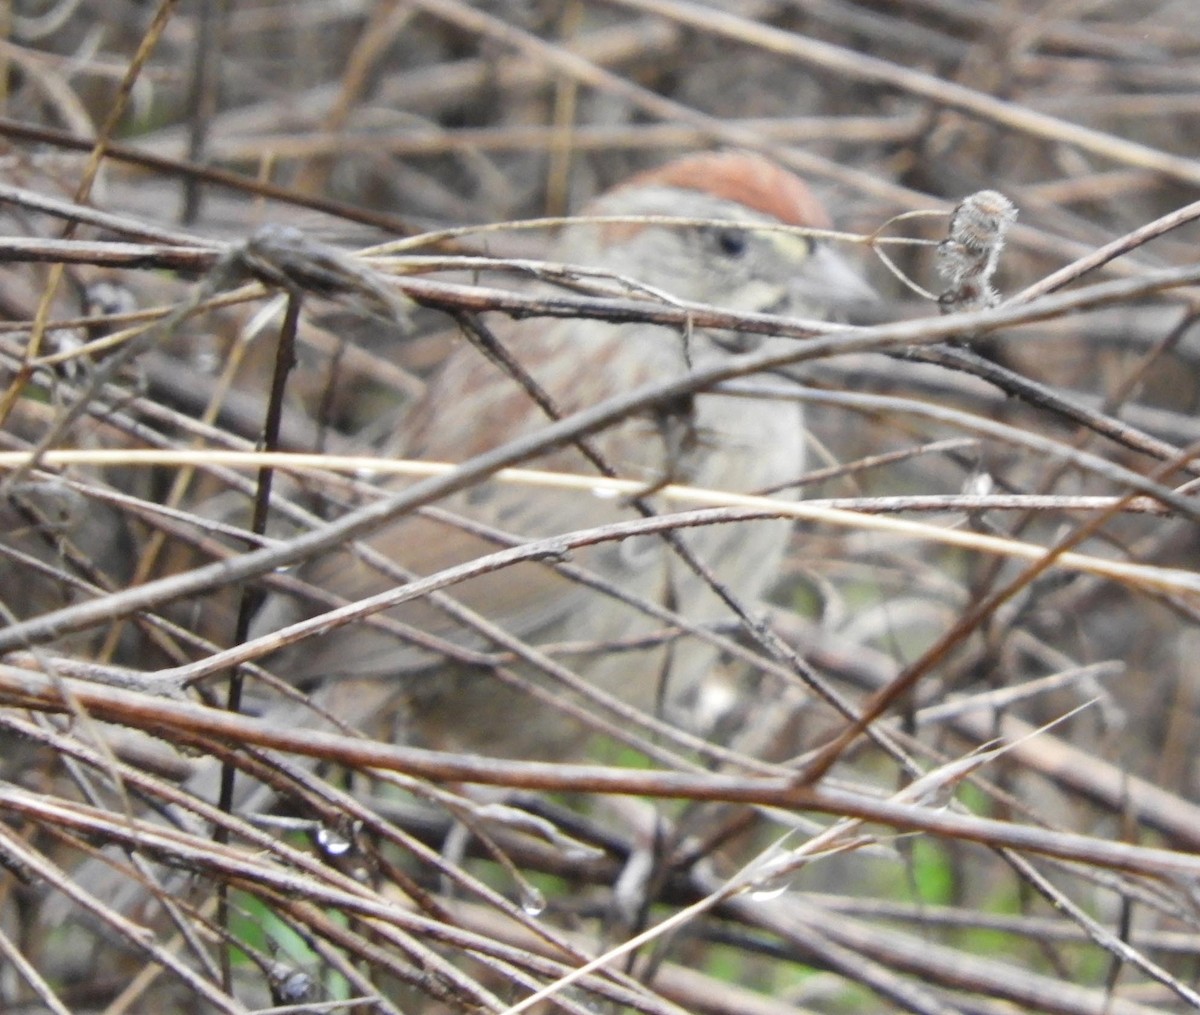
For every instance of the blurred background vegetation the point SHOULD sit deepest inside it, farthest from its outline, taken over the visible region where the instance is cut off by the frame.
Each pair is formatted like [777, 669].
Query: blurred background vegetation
[180, 129]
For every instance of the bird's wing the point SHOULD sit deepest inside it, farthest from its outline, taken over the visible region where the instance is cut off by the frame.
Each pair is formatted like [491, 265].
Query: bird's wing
[471, 407]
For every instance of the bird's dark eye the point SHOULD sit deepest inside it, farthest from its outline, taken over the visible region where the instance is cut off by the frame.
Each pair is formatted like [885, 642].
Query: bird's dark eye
[732, 242]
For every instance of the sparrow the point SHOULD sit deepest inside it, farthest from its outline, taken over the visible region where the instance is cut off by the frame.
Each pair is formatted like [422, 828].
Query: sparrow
[731, 258]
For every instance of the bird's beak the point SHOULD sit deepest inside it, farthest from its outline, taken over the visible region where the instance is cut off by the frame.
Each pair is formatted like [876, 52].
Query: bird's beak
[825, 280]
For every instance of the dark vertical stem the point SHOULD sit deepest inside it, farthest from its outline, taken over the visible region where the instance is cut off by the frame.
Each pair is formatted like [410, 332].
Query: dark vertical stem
[203, 91]
[285, 358]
